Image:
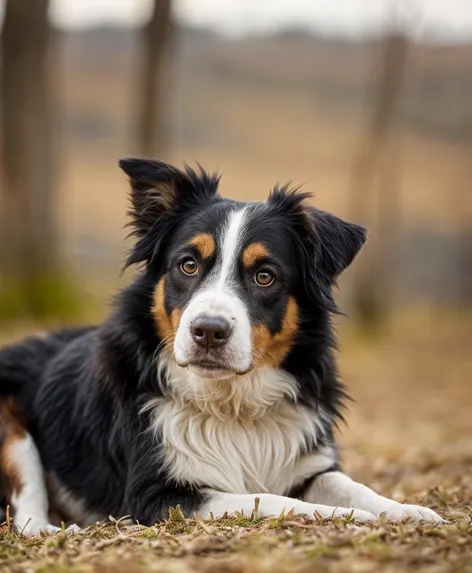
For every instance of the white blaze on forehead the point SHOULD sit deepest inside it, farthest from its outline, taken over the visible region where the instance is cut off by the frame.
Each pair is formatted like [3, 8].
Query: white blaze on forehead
[231, 238]
[217, 298]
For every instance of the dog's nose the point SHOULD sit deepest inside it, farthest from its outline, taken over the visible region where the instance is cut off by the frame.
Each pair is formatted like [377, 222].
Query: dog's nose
[210, 331]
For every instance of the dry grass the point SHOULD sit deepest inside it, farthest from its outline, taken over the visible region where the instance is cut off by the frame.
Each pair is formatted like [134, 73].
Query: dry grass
[409, 437]
[243, 545]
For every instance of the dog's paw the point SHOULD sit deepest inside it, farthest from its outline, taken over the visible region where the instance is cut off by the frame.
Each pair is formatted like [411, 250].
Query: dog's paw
[403, 511]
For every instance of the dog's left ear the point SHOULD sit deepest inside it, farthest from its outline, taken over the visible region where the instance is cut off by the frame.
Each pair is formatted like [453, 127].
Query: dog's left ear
[158, 189]
[337, 242]
[160, 193]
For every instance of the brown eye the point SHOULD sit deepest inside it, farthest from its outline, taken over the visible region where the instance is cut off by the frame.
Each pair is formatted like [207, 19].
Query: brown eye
[189, 267]
[264, 278]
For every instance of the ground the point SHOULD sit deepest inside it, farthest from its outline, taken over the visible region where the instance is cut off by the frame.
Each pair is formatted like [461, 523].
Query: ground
[407, 435]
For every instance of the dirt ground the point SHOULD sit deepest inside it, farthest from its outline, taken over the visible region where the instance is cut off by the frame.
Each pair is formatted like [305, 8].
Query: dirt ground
[408, 435]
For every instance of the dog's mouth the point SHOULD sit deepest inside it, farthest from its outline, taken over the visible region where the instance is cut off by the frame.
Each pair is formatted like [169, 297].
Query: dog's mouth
[212, 369]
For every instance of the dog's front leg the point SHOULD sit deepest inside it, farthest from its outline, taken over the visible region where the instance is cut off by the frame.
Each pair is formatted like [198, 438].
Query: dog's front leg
[218, 503]
[152, 505]
[336, 488]
[23, 476]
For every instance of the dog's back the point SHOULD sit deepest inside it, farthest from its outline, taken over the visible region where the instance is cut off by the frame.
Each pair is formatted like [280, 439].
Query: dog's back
[22, 364]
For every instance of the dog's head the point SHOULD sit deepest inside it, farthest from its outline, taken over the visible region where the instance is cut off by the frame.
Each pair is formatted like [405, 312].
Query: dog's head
[234, 282]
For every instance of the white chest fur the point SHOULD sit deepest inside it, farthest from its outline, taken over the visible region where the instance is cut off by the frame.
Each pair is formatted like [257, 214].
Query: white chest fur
[214, 443]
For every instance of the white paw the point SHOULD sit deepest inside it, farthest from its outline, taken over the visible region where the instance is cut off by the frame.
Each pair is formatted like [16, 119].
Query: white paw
[401, 511]
[34, 527]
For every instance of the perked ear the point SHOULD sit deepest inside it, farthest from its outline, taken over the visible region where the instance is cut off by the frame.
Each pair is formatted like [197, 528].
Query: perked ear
[330, 243]
[327, 243]
[159, 192]
[158, 188]
[152, 193]
[338, 242]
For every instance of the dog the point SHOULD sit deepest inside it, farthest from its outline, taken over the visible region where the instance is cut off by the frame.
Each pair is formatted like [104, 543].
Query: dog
[212, 383]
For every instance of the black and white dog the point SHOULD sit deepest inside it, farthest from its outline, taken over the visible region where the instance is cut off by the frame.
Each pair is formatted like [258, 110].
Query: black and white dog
[212, 383]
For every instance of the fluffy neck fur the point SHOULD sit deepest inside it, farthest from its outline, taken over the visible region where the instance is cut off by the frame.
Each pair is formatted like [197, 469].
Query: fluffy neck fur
[241, 397]
[245, 434]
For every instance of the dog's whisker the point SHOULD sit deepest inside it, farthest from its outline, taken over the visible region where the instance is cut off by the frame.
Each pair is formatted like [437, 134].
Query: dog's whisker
[166, 341]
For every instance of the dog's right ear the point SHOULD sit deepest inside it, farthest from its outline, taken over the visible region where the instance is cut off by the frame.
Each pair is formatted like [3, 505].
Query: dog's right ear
[159, 192]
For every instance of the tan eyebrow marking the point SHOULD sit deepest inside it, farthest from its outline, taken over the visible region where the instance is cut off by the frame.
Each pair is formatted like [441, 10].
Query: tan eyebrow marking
[205, 244]
[253, 253]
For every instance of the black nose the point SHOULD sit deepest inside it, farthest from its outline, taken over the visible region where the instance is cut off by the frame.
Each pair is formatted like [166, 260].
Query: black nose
[210, 331]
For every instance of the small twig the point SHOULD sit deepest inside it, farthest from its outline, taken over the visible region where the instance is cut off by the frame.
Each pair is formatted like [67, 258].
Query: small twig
[256, 508]
[117, 523]
[25, 526]
[7, 517]
[200, 521]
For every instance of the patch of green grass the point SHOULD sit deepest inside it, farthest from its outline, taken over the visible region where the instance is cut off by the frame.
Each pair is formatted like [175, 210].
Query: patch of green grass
[49, 296]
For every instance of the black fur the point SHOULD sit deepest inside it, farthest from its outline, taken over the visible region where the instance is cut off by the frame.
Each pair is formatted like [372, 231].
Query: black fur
[81, 390]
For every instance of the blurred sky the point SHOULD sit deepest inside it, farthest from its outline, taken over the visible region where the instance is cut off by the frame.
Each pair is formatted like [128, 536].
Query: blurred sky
[449, 20]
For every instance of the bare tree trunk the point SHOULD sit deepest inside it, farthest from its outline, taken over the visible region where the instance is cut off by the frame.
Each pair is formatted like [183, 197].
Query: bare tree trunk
[156, 36]
[373, 282]
[463, 201]
[28, 238]
[465, 264]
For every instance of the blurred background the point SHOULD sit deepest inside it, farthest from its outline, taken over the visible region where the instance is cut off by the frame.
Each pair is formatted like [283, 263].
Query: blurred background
[367, 103]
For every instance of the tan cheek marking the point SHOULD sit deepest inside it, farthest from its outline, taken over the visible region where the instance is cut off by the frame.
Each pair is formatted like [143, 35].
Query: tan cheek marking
[205, 245]
[253, 253]
[175, 317]
[12, 430]
[167, 325]
[271, 350]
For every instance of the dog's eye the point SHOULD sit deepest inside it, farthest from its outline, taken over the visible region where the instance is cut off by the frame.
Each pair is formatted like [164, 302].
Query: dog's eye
[189, 267]
[264, 278]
